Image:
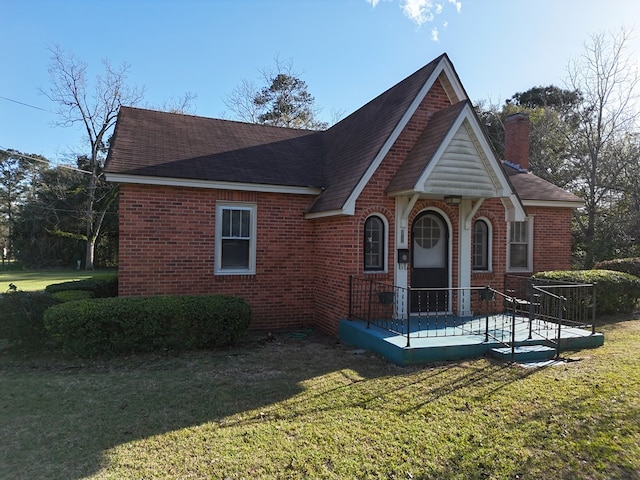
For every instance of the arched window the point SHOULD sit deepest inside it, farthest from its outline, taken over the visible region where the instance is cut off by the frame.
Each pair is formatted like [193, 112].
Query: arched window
[374, 244]
[481, 239]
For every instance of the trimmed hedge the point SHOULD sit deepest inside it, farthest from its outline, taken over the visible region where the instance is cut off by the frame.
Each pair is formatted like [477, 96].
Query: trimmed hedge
[21, 318]
[626, 265]
[616, 292]
[72, 295]
[102, 286]
[123, 325]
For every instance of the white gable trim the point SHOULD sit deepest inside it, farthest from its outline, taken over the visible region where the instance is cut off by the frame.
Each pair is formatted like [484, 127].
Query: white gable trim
[552, 203]
[327, 213]
[466, 115]
[445, 67]
[187, 182]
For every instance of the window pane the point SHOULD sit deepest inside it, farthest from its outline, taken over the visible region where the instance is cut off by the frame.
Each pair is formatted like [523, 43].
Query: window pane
[480, 246]
[236, 216]
[244, 223]
[226, 223]
[235, 253]
[373, 244]
[236, 223]
[518, 232]
[519, 255]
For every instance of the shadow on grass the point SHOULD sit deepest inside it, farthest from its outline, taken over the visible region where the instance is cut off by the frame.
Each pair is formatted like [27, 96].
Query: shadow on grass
[59, 418]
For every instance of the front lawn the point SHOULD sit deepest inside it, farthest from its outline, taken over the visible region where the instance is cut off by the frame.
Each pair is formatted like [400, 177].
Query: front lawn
[34, 280]
[303, 406]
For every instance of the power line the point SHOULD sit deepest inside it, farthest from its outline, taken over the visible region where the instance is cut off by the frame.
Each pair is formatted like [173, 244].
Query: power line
[17, 154]
[25, 104]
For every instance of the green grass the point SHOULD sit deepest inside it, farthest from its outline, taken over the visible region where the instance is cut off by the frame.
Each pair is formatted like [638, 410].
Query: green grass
[34, 280]
[308, 407]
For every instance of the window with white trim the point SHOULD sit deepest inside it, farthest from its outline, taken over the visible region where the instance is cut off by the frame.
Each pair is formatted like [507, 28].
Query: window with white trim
[235, 239]
[481, 245]
[374, 244]
[519, 246]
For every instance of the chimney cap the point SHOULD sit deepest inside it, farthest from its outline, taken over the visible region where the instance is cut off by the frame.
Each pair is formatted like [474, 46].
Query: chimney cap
[516, 116]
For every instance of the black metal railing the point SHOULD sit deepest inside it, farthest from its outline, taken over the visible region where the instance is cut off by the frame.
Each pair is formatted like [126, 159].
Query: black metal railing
[428, 312]
[436, 312]
[558, 306]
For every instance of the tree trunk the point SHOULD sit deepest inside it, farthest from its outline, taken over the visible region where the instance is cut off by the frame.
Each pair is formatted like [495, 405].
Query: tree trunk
[91, 246]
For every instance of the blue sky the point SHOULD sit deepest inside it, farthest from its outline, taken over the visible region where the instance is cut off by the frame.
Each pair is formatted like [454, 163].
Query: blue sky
[348, 51]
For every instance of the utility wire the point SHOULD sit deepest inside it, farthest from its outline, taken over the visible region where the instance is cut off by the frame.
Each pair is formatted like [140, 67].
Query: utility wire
[25, 104]
[14, 153]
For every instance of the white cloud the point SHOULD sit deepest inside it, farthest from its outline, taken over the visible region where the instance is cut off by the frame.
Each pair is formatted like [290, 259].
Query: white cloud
[454, 2]
[423, 11]
[418, 11]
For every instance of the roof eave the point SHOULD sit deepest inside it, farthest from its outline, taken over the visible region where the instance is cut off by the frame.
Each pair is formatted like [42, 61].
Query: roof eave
[211, 184]
[553, 203]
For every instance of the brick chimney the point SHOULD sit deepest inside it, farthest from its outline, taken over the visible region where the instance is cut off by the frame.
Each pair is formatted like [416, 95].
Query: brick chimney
[516, 140]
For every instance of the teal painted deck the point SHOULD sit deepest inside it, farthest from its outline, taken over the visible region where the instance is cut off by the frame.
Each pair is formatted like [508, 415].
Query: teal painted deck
[460, 339]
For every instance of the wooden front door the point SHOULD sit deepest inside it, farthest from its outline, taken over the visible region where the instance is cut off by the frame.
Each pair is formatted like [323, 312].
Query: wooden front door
[429, 263]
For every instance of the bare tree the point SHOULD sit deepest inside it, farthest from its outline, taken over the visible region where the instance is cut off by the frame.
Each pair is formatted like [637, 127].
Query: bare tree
[240, 102]
[96, 110]
[607, 79]
[182, 104]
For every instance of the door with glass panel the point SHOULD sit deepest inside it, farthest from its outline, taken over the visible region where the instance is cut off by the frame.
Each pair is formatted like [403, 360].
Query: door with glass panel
[429, 263]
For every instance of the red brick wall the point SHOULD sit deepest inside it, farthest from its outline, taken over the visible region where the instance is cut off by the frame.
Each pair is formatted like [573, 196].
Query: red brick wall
[493, 211]
[167, 246]
[551, 241]
[552, 238]
[340, 246]
[167, 242]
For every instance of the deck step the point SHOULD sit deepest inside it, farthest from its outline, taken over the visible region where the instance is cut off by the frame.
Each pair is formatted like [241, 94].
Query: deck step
[525, 353]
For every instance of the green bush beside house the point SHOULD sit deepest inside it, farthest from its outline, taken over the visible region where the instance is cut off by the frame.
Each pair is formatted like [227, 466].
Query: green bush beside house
[89, 319]
[616, 292]
[113, 326]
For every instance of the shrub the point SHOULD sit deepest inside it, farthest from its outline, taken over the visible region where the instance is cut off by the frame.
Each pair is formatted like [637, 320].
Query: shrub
[11, 266]
[626, 265]
[103, 285]
[142, 324]
[21, 318]
[72, 295]
[616, 292]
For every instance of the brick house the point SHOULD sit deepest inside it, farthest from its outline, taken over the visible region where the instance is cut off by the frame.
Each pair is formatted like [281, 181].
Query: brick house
[406, 190]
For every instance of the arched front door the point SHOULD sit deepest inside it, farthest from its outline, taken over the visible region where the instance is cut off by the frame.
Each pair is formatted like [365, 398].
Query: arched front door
[429, 262]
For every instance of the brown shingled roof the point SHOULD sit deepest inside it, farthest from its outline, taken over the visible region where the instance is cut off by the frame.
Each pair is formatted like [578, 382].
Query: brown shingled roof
[533, 188]
[352, 144]
[160, 144]
[425, 147]
[176, 146]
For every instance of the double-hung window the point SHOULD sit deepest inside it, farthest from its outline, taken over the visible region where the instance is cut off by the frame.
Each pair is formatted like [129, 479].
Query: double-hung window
[235, 239]
[519, 253]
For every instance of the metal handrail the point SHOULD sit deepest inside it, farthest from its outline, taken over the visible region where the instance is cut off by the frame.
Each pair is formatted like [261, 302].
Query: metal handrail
[388, 306]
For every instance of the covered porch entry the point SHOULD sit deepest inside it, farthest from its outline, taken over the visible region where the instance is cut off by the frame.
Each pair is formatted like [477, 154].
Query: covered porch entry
[439, 188]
